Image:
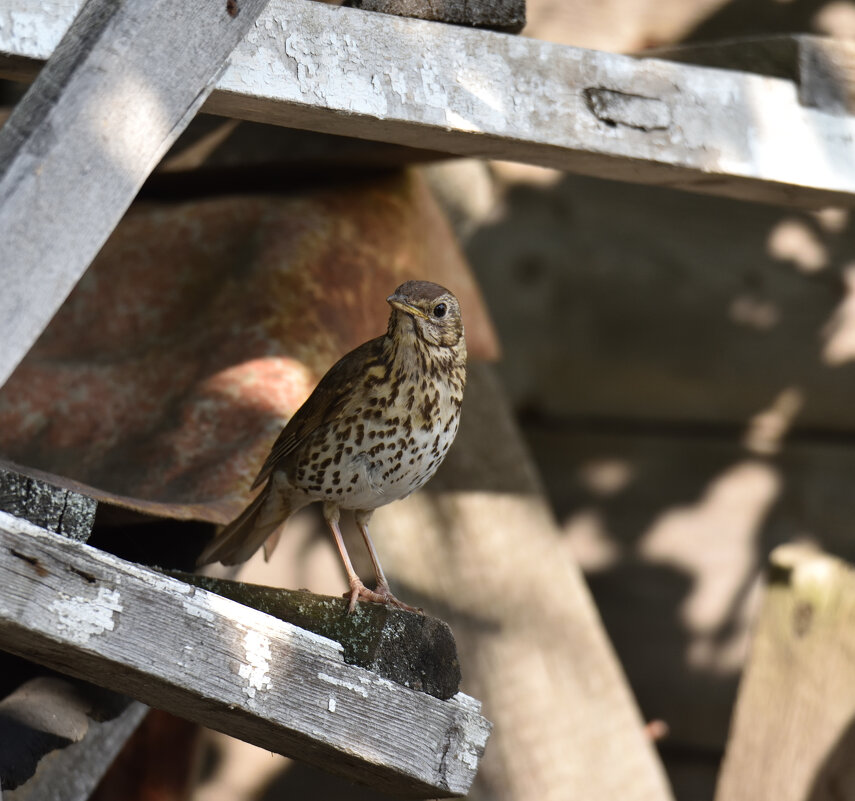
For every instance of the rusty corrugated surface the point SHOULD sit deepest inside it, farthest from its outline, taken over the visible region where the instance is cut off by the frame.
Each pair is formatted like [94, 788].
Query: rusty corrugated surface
[202, 326]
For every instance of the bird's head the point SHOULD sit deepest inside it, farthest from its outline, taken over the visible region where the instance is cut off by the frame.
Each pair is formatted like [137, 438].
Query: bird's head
[429, 310]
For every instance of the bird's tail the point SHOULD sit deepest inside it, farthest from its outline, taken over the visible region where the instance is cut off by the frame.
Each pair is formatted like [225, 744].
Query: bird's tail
[251, 529]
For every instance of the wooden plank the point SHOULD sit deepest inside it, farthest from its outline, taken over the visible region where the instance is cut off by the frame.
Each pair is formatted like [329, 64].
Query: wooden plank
[498, 15]
[485, 94]
[703, 330]
[120, 86]
[415, 650]
[822, 68]
[59, 738]
[55, 508]
[482, 545]
[228, 667]
[673, 529]
[793, 732]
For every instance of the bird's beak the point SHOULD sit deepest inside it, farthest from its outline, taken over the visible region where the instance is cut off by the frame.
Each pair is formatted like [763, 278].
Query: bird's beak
[397, 302]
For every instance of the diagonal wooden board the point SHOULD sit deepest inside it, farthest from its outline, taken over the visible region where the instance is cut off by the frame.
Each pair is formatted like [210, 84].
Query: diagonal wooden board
[201, 656]
[120, 86]
[792, 733]
[45, 722]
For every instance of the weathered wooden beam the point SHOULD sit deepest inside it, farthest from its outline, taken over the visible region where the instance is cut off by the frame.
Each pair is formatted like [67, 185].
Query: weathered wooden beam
[479, 93]
[411, 649]
[481, 545]
[229, 667]
[823, 69]
[59, 738]
[59, 735]
[498, 15]
[123, 82]
[57, 509]
[792, 736]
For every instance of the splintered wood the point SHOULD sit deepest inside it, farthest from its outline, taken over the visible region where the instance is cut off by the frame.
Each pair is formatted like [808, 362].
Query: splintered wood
[793, 734]
[228, 667]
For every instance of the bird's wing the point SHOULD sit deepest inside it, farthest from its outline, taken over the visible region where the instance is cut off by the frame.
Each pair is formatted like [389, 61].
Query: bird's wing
[324, 405]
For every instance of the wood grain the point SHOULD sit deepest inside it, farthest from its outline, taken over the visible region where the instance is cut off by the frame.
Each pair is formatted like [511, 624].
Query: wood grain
[793, 734]
[822, 68]
[480, 547]
[54, 508]
[479, 93]
[673, 532]
[119, 87]
[414, 650]
[229, 667]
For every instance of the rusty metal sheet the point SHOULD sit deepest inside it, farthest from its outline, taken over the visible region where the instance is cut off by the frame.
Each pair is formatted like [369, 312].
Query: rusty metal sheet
[202, 326]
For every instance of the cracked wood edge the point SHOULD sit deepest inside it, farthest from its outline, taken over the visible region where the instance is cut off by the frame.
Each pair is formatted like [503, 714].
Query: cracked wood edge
[479, 93]
[211, 660]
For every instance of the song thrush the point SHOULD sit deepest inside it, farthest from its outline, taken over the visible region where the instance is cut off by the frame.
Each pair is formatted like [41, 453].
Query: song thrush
[375, 429]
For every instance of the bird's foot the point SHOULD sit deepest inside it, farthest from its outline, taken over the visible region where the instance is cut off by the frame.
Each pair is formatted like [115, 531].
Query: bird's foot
[382, 595]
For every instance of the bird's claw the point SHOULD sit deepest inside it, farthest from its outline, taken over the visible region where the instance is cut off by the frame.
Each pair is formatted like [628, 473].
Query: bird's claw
[382, 595]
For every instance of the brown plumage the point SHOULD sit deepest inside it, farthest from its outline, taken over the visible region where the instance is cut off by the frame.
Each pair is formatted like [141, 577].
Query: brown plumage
[376, 428]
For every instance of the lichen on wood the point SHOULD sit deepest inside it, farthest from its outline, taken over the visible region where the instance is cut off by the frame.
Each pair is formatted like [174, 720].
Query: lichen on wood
[410, 649]
[54, 508]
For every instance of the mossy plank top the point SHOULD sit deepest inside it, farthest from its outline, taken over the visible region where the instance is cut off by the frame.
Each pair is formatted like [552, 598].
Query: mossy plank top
[229, 667]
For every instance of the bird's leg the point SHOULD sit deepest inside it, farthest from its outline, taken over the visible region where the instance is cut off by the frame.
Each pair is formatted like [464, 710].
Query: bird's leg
[382, 588]
[358, 591]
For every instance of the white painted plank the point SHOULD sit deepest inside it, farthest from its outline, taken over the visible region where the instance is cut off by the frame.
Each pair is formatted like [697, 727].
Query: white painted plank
[229, 667]
[479, 93]
[122, 83]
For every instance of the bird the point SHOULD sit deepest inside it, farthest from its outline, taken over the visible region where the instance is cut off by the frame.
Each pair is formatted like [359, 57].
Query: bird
[375, 429]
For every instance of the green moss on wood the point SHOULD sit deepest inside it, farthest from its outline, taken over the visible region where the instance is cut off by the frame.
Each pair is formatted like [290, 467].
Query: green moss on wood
[410, 649]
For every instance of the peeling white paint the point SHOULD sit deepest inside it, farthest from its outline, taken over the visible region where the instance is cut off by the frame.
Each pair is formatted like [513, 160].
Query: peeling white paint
[40, 31]
[346, 685]
[256, 670]
[433, 88]
[331, 704]
[196, 607]
[80, 618]
[331, 69]
[398, 82]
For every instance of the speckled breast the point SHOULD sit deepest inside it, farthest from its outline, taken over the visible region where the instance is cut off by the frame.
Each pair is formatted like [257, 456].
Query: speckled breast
[384, 447]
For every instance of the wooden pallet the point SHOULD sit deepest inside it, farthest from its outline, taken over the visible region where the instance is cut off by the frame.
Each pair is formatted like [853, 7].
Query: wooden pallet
[113, 87]
[206, 658]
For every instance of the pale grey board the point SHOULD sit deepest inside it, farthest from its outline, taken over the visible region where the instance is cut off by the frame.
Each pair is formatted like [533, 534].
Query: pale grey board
[229, 667]
[123, 82]
[479, 93]
[72, 773]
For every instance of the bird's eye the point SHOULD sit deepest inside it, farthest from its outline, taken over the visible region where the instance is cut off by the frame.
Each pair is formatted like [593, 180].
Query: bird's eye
[439, 310]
